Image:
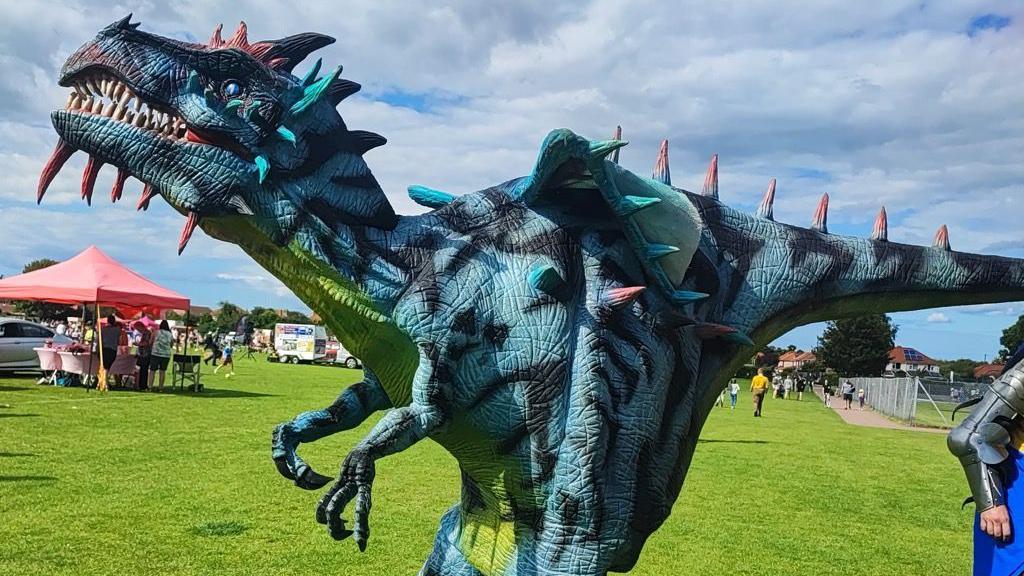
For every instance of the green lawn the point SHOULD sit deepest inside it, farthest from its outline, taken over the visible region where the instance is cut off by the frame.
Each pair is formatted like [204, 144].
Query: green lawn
[128, 483]
[926, 415]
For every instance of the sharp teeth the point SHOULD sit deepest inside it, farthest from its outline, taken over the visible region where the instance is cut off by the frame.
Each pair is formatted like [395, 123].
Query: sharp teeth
[140, 120]
[125, 96]
[83, 88]
[97, 106]
[92, 87]
[119, 114]
[129, 116]
[75, 101]
[138, 104]
[119, 91]
[71, 97]
[86, 104]
[108, 110]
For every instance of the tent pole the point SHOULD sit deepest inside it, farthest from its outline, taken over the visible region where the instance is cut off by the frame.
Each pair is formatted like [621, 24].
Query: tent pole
[101, 373]
[85, 305]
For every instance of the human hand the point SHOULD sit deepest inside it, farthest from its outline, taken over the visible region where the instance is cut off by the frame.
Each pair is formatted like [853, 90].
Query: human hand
[996, 522]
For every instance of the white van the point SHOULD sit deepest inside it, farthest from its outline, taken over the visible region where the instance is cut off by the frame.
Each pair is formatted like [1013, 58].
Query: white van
[297, 343]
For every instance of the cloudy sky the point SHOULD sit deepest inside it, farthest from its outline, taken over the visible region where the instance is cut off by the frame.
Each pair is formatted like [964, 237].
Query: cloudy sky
[912, 104]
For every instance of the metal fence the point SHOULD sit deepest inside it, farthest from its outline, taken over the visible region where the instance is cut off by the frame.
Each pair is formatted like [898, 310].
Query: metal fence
[917, 401]
[894, 397]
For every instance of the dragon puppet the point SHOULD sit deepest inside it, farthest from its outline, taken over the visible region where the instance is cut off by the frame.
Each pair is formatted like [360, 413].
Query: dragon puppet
[563, 335]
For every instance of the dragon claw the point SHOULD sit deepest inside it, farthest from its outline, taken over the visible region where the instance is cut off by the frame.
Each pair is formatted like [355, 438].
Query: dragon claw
[309, 479]
[354, 482]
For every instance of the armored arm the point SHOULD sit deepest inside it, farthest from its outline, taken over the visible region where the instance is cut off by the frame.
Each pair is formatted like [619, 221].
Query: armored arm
[980, 442]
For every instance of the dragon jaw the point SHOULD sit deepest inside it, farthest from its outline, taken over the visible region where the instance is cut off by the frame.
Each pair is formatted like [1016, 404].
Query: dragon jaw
[217, 129]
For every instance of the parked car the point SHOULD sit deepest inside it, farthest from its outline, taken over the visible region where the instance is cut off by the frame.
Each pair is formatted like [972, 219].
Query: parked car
[18, 338]
[337, 354]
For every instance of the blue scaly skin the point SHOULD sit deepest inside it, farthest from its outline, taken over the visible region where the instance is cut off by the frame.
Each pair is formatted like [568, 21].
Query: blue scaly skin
[563, 335]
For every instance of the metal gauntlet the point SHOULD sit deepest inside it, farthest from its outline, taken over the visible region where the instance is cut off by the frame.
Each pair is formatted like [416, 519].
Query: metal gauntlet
[980, 442]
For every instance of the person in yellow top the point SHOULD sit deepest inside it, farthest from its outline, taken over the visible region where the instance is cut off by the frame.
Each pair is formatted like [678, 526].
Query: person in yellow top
[758, 387]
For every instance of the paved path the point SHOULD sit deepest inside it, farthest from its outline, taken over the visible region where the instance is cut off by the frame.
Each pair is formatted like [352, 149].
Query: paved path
[869, 417]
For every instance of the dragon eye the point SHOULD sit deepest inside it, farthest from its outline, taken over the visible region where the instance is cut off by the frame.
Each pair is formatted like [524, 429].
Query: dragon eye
[231, 88]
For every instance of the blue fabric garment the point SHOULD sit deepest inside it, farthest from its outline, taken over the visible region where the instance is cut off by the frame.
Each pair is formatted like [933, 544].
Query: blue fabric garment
[993, 558]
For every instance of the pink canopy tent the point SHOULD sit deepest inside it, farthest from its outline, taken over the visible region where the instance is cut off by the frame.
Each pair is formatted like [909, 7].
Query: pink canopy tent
[93, 277]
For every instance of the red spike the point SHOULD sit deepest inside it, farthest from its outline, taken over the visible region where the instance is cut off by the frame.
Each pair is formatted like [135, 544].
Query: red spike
[92, 168]
[147, 194]
[765, 209]
[241, 37]
[58, 158]
[619, 297]
[711, 178]
[115, 192]
[190, 226]
[216, 41]
[820, 222]
[708, 331]
[616, 136]
[275, 62]
[661, 170]
[881, 230]
[942, 238]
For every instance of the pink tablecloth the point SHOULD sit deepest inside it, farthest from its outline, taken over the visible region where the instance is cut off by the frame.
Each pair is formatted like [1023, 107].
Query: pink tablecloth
[124, 365]
[49, 359]
[79, 363]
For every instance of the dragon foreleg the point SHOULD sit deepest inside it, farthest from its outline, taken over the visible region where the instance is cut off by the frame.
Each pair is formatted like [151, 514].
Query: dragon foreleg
[353, 406]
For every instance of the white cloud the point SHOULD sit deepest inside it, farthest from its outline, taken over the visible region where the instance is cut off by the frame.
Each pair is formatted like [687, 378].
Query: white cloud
[892, 103]
[937, 318]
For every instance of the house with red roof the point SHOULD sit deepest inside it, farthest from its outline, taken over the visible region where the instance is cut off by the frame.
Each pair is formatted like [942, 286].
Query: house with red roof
[907, 359]
[795, 359]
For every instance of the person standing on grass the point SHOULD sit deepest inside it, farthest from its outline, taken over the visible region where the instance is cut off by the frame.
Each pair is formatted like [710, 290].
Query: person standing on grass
[161, 355]
[211, 349]
[227, 359]
[758, 388]
[847, 392]
[144, 348]
[787, 386]
[734, 392]
[801, 383]
[110, 337]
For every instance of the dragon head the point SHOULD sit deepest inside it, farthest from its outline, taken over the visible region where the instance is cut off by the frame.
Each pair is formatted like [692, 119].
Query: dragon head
[218, 129]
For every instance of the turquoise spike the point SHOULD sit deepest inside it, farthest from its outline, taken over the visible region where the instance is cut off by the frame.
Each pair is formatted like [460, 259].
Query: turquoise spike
[682, 297]
[194, 85]
[264, 167]
[546, 279]
[252, 108]
[310, 76]
[655, 251]
[287, 134]
[429, 197]
[232, 104]
[602, 148]
[738, 337]
[313, 92]
[630, 205]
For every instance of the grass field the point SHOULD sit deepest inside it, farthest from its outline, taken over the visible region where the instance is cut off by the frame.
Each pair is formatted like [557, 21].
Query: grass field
[128, 483]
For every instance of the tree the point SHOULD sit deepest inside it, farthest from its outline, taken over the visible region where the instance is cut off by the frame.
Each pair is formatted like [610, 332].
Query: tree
[768, 357]
[1012, 338]
[228, 316]
[43, 310]
[963, 368]
[261, 317]
[857, 346]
